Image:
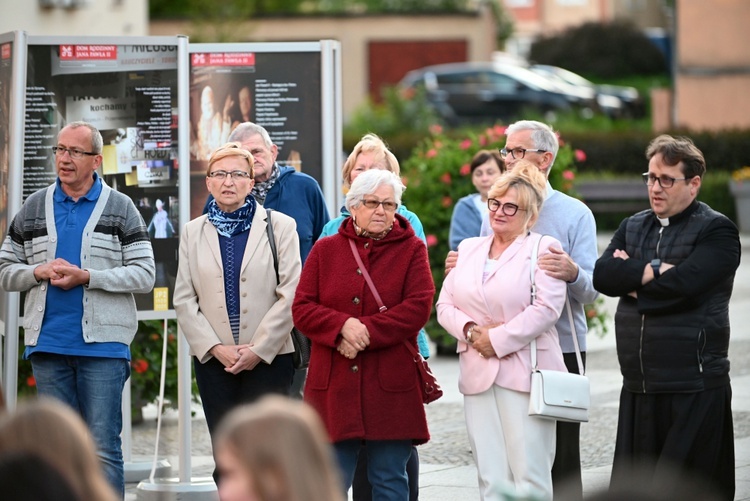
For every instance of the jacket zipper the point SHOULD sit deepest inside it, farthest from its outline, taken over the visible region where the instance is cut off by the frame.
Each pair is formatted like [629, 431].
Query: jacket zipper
[643, 323]
[702, 346]
[640, 355]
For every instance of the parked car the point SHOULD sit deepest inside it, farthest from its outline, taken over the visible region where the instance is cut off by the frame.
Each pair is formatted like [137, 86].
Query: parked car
[464, 92]
[615, 101]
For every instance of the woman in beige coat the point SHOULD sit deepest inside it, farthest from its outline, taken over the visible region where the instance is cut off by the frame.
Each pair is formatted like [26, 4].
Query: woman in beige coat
[233, 312]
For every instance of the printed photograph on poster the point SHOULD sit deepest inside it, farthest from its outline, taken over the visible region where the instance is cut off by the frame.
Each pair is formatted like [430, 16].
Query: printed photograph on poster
[130, 94]
[279, 91]
[6, 76]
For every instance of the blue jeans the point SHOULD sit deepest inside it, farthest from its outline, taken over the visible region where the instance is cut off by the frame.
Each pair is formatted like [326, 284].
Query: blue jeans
[386, 466]
[92, 386]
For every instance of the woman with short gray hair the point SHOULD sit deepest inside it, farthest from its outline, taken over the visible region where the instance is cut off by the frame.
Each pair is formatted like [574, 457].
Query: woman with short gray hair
[362, 379]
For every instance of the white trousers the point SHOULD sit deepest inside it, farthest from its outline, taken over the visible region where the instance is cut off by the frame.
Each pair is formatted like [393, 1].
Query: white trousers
[513, 451]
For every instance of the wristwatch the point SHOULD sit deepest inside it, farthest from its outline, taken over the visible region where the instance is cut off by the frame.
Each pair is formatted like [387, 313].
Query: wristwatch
[655, 265]
[470, 332]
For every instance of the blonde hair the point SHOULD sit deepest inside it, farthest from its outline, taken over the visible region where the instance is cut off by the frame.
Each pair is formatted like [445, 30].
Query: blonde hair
[55, 433]
[530, 185]
[283, 447]
[370, 143]
[231, 149]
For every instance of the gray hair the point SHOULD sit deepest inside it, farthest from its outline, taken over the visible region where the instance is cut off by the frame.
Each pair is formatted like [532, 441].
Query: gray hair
[97, 143]
[248, 129]
[542, 134]
[368, 182]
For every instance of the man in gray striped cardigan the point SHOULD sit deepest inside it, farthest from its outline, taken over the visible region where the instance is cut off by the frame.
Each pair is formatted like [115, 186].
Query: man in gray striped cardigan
[80, 250]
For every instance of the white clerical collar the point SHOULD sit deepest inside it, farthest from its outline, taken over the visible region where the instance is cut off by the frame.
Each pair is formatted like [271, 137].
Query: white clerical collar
[663, 221]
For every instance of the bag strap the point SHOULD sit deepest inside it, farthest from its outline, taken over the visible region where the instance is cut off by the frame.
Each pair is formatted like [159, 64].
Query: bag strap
[272, 243]
[532, 268]
[365, 274]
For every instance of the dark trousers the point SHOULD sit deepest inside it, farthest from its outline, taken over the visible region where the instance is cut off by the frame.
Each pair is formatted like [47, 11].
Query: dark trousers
[221, 391]
[361, 488]
[668, 441]
[566, 470]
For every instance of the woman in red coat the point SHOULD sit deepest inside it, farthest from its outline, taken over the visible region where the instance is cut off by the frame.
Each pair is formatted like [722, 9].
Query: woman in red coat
[362, 379]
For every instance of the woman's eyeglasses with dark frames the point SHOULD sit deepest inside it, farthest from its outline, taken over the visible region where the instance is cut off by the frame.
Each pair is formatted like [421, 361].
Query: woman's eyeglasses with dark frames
[508, 208]
[236, 175]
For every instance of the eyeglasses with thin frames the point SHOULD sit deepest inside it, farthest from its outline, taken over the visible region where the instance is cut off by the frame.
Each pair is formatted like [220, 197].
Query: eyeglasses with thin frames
[518, 153]
[236, 175]
[664, 181]
[507, 208]
[74, 153]
[388, 206]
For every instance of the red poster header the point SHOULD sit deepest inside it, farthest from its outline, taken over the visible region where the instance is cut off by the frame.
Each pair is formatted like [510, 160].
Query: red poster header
[5, 51]
[224, 59]
[88, 52]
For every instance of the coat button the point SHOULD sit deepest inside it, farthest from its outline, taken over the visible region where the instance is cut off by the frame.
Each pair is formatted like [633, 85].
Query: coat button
[367, 245]
[354, 368]
[359, 272]
[355, 300]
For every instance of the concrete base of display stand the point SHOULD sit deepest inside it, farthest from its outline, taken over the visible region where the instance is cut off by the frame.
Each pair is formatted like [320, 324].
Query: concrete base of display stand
[138, 470]
[171, 489]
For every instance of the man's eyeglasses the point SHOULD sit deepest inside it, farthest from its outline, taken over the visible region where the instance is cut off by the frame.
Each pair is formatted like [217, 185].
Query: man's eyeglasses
[73, 152]
[373, 204]
[664, 181]
[518, 153]
[508, 209]
[236, 175]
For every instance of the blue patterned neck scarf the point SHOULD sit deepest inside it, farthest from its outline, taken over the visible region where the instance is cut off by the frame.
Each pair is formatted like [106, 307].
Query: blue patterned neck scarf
[229, 224]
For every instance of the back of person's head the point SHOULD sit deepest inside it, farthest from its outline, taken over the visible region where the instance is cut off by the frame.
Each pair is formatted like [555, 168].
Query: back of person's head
[370, 143]
[283, 448]
[542, 135]
[678, 149]
[530, 184]
[24, 476]
[58, 435]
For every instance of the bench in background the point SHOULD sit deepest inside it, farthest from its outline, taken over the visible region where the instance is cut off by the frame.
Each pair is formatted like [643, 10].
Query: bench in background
[613, 195]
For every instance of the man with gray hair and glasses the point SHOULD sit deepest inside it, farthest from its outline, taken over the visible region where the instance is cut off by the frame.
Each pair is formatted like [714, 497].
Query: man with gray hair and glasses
[80, 250]
[572, 223]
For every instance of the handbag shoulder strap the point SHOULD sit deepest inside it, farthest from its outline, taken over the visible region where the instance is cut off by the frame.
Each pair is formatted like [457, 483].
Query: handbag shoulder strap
[365, 274]
[579, 359]
[272, 243]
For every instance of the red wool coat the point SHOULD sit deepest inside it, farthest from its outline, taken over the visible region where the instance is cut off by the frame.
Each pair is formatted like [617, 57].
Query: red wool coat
[374, 396]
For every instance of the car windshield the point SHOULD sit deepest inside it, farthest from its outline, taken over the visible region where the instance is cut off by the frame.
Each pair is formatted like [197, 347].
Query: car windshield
[565, 75]
[529, 78]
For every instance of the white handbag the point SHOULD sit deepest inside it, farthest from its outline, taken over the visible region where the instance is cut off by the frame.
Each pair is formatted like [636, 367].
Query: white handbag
[562, 396]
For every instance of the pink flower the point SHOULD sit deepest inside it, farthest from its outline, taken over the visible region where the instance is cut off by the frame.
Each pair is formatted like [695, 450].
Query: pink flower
[404, 181]
[568, 174]
[431, 240]
[431, 153]
[446, 178]
[465, 170]
[30, 381]
[465, 144]
[482, 140]
[580, 156]
[447, 201]
[435, 129]
[500, 130]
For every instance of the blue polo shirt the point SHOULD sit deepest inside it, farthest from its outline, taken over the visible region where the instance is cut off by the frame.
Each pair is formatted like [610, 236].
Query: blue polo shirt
[62, 332]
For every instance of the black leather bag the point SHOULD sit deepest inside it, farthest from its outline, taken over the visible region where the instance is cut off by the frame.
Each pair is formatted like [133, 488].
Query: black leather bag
[300, 341]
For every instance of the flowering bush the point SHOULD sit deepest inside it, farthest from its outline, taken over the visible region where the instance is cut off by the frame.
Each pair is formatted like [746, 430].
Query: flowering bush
[145, 364]
[438, 174]
[741, 175]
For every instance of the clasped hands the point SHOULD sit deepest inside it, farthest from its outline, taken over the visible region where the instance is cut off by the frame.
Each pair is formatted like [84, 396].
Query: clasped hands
[354, 338]
[480, 340]
[62, 274]
[235, 358]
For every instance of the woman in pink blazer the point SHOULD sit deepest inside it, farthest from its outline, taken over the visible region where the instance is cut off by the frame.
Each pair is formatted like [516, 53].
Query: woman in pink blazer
[485, 303]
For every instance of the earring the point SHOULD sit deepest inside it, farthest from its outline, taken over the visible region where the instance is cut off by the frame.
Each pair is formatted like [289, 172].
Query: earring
[354, 218]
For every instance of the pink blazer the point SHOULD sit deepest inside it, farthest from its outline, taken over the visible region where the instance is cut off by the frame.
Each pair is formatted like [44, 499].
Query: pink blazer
[504, 298]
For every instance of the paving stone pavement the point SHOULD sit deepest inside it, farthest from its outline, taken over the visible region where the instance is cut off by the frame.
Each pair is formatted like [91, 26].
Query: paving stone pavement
[447, 469]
